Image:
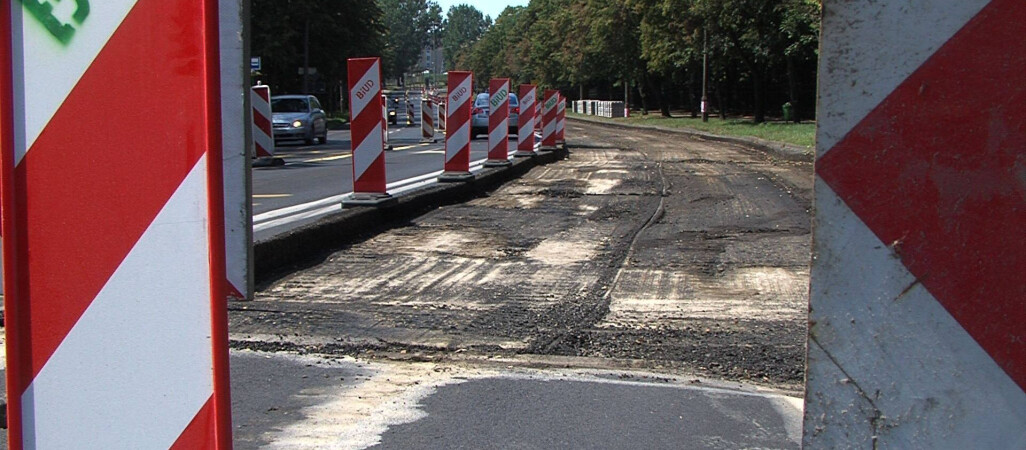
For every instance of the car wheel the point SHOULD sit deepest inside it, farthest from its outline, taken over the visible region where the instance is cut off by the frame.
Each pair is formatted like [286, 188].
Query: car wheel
[309, 139]
[323, 139]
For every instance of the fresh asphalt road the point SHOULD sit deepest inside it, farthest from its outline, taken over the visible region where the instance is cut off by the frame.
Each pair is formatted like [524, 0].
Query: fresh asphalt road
[282, 400]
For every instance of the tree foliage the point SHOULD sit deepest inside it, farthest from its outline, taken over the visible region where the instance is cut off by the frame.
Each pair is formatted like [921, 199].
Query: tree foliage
[464, 26]
[760, 51]
[408, 26]
[333, 31]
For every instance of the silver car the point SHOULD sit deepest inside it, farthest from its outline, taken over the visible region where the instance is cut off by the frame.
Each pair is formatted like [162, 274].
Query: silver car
[298, 117]
[479, 114]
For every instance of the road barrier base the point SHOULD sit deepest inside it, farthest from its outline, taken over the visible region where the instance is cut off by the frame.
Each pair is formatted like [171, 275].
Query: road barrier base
[498, 163]
[428, 141]
[524, 154]
[368, 199]
[454, 176]
[268, 161]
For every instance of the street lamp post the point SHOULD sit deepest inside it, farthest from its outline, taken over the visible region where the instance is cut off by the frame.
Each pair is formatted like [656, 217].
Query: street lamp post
[705, 76]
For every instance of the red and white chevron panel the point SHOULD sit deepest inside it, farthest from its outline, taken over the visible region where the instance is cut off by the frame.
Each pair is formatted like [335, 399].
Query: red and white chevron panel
[549, 119]
[114, 243]
[457, 142]
[561, 120]
[918, 304]
[263, 134]
[498, 120]
[525, 121]
[367, 126]
[427, 120]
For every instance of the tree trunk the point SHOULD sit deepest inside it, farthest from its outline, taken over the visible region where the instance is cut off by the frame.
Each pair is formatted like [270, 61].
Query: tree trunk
[757, 91]
[721, 101]
[792, 89]
[664, 102]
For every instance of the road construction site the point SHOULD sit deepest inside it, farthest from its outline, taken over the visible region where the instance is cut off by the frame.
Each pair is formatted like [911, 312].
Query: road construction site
[643, 250]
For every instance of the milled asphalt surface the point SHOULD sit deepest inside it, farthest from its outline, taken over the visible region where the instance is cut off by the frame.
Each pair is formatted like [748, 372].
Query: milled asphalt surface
[643, 249]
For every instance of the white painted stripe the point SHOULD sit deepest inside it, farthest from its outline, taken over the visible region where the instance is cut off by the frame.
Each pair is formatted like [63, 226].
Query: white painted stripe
[500, 135]
[933, 385]
[50, 70]
[368, 151]
[886, 41]
[372, 80]
[549, 130]
[456, 102]
[267, 142]
[524, 132]
[136, 367]
[456, 141]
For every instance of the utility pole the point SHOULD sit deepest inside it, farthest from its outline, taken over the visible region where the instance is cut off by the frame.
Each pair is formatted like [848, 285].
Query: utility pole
[705, 76]
[306, 57]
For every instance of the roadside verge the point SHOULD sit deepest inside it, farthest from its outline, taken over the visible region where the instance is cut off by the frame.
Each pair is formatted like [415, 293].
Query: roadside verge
[781, 150]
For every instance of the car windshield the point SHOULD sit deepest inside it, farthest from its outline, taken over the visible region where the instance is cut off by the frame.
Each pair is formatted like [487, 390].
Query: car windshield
[481, 101]
[513, 102]
[289, 105]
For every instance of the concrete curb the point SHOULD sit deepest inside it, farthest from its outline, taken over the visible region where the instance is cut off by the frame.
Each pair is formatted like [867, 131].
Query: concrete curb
[310, 244]
[781, 150]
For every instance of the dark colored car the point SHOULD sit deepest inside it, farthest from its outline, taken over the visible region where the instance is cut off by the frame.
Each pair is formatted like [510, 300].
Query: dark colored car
[298, 117]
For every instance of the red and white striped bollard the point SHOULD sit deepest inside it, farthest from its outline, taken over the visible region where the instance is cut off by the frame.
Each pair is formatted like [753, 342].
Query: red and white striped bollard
[427, 121]
[525, 121]
[263, 134]
[498, 123]
[367, 130]
[549, 120]
[457, 140]
[561, 122]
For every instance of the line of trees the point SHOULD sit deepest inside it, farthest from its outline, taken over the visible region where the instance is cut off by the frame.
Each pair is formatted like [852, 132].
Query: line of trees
[761, 53]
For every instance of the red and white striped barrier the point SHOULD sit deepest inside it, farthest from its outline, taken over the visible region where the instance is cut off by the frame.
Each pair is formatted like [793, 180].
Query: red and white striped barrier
[917, 299]
[367, 132]
[549, 120]
[498, 123]
[263, 134]
[457, 140]
[525, 121]
[561, 121]
[128, 346]
[441, 116]
[427, 121]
